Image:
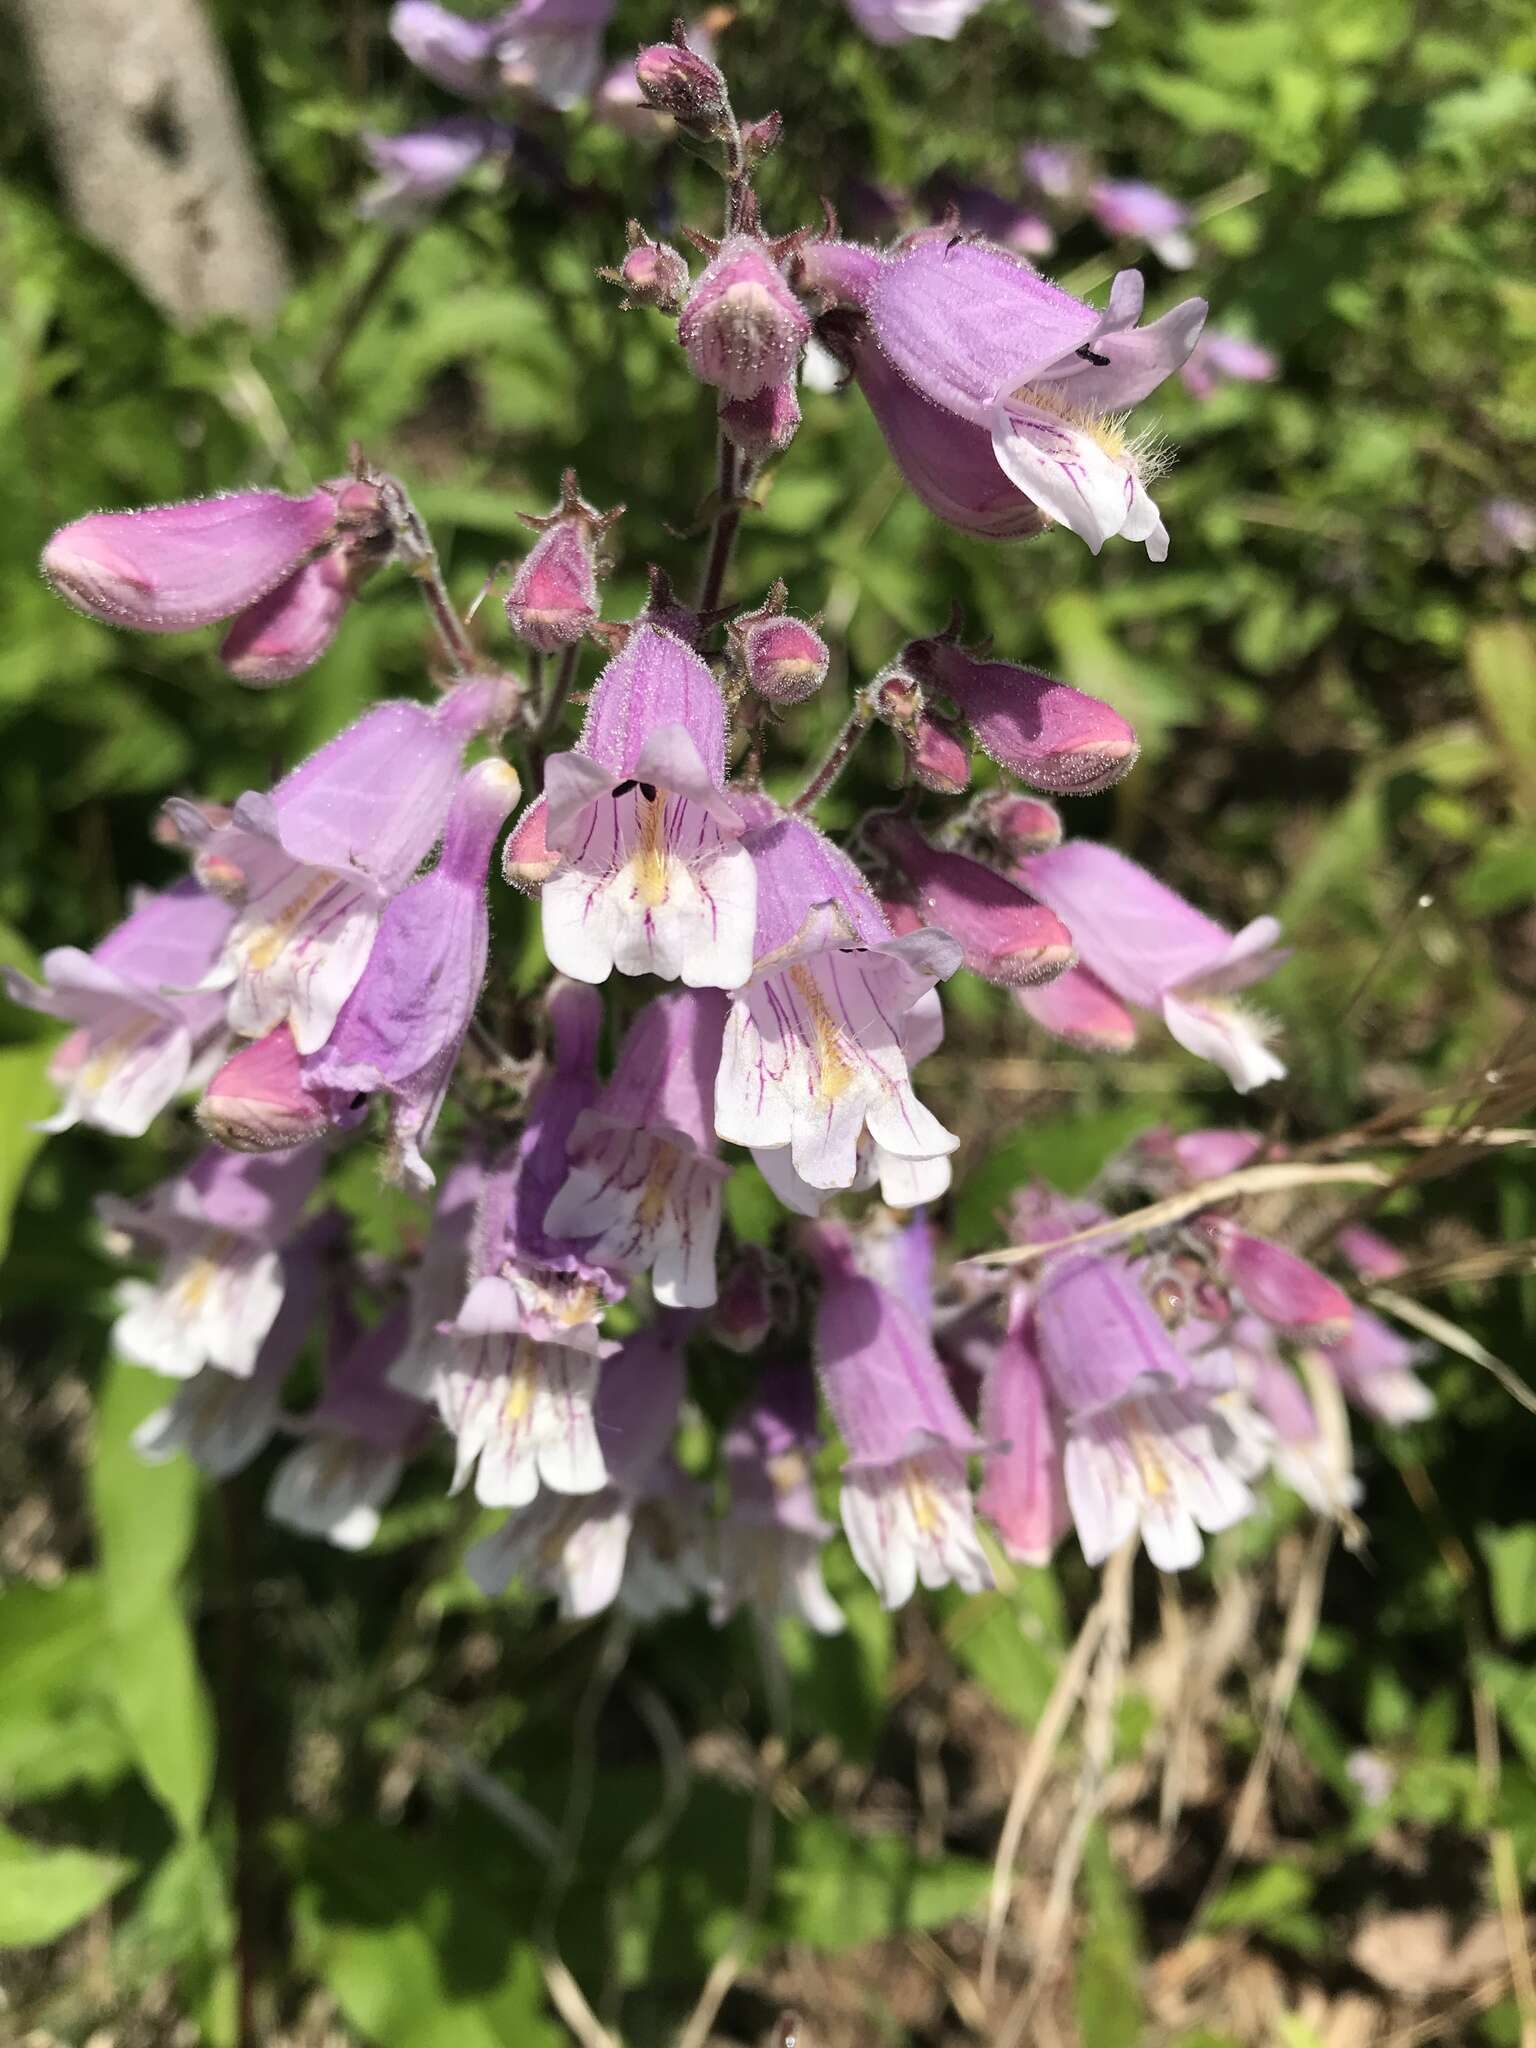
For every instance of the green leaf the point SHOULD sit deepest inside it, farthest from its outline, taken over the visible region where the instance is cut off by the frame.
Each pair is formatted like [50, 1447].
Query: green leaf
[146, 1518]
[834, 1890]
[1512, 1688]
[1110, 2013]
[1501, 876]
[43, 1891]
[1510, 1555]
[1013, 1646]
[1068, 1152]
[1501, 658]
[25, 1095]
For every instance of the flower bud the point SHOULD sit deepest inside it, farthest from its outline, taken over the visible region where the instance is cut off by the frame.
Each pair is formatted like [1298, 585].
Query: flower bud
[256, 1101]
[761, 426]
[760, 139]
[1051, 735]
[1011, 826]
[679, 82]
[742, 326]
[1372, 1256]
[1078, 1009]
[287, 631]
[936, 751]
[553, 599]
[527, 859]
[784, 659]
[1277, 1285]
[652, 274]
[1007, 937]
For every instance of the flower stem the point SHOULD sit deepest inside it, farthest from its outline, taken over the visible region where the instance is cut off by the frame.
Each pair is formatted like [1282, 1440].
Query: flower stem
[723, 534]
[838, 755]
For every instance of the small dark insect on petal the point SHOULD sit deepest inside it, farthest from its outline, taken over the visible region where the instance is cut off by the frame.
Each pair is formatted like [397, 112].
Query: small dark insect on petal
[1099, 362]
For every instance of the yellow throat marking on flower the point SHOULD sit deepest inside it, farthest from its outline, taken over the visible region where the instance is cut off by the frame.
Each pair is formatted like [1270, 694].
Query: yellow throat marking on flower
[658, 1186]
[787, 1471]
[522, 1383]
[834, 1069]
[111, 1053]
[263, 946]
[922, 1499]
[193, 1288]
[1105, 428]
[650, 862]
[1153, 1471]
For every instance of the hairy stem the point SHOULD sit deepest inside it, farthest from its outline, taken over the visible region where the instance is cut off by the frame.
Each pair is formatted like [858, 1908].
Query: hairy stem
[722, 536]
[837, 758]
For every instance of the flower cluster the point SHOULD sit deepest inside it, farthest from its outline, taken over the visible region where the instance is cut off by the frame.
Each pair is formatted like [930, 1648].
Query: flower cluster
[728, 985]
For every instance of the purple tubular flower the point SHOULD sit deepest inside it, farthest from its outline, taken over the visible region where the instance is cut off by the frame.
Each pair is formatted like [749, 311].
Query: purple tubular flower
[742, 327]
[1278, 1285]
[311, 867]
[1053, 736]
[813, 1049]
[654, 878]
[168, 568]
[1098, 1337]
[831, 273]
[135, 1038]
[1006, 937]
[906, 1503]
[1376, 1368]
[360, 1434]
[552, 49]
[991, 344]
[898, 21]
[1144, 213]
[1160, 1463]
[1227, 358]
[400, 1030]
[1023, 1494]
[773, 1536]
[453, 52]
[417, 171]
[643, 1188]
[1152, 949]
[1079, 1010]
[216, 1227]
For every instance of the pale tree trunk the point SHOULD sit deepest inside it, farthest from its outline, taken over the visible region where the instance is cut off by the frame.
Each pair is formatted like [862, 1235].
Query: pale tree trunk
[152, 152]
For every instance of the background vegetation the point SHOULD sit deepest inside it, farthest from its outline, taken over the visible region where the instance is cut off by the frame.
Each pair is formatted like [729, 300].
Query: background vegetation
[383, 1804]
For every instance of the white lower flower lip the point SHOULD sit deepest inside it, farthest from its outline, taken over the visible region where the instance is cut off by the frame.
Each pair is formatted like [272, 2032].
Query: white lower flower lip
[1078, 468]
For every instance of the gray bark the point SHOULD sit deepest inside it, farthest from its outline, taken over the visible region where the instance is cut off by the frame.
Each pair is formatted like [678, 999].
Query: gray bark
[152, 152]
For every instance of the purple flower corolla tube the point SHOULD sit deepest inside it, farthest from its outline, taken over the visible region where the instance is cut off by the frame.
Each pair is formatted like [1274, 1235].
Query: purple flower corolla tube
[553, 598]
[988, 341]
[135, 1037]
[220, 1422]
[417, 171]
[1160, 1464]
[359, 1435]
[1278, 1285]
[217, 1228]
[1079, 1010]
[310, 867]
[455, 53]
[1023, 1494]
[772, 1538]
[654, 878]
[742, 327]
[400, 1031]
[168, 568]
[1096, 1334]
[1006, 937]
[1154, 950]
[1227, 359]
[906, 1502]
[1144, 213]
[644, 1190]
[552, 50]
[1053, 736]
[813, 1051]
[287, 631]
[1375, 1366]
[898, 21]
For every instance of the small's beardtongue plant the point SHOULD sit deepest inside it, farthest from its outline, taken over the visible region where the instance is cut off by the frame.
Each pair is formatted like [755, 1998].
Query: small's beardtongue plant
[727, 984]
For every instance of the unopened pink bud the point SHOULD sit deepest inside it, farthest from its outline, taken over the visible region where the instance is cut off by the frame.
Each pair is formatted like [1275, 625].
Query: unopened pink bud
[938, 755]
[1053, 736]
[527, 860]
[1372, 1256]
[761, 138]
[742, 326]
[1006, 936]
[654, 274]
[553, 598]
[168, 568]
[764, 425]
[896, 700]
[1277, 1285]
[1078, 1009]
[784, 658]
[1013, 826]
[679, 82]
[289, 629]
[256, 1101]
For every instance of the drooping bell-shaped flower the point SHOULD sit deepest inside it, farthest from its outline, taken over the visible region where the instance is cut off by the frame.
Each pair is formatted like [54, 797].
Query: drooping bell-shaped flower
[1303, 1455]
[653, 877]
[310, 867]
[988, 341]
[644, 1189]
[220, 1422]
[1023, 1494]
[216, 1229]
[813, 1052]
[417, 171]
[169, 568]
[898, 21]
[1096, 1334]
[453, 52]
[1151, 948]
[400, 1030]
[553, 597]
[358, 1437]
[742, 327]
[136, 1031]
[1159, 1463]
[1051, 735]
[906, 1502]
[772, 1538]
[1227, 359]
[1139, 212]
[1006, 937]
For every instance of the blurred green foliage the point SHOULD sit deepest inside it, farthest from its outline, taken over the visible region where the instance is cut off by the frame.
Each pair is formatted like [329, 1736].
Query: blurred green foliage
[1337, 695]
